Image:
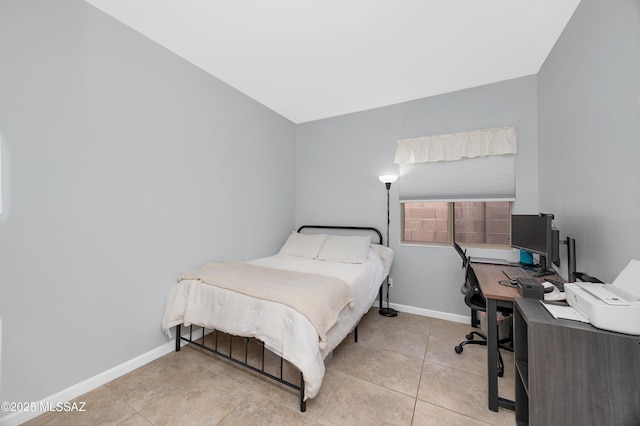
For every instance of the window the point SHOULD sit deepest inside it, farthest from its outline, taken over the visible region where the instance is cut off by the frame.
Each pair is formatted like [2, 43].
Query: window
[470, 222]
[458, 187]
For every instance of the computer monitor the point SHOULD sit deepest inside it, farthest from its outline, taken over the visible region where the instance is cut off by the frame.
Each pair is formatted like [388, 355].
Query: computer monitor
[535, 233]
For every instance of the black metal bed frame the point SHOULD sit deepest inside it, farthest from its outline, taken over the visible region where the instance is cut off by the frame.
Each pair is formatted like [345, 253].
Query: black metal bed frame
[215, 348]
[244, 361]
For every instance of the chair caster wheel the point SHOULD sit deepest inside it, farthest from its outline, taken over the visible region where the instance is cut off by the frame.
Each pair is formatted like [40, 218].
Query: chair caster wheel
[469, 336]
[458, 349]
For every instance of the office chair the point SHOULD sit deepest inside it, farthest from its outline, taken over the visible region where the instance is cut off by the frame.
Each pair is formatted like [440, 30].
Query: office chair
[474, 298]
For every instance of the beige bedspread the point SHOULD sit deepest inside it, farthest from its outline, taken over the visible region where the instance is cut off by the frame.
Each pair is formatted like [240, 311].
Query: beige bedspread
[319, 298]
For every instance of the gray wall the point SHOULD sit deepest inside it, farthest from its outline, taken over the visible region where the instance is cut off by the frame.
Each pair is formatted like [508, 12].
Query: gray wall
[589, 134]
[338, 161]
[123, 165]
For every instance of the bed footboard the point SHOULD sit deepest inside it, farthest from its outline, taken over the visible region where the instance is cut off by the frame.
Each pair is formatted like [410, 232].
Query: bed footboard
[215, 347]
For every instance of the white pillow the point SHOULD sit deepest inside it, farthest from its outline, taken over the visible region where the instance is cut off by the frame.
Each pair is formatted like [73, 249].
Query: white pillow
[386, 256]
[348, 249]
[303, 245]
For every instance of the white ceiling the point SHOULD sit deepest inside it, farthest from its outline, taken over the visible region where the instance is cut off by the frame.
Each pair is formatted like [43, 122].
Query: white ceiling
[313, 59]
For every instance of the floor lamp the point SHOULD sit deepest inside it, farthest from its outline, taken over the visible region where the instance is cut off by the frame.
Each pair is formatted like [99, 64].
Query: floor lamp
[387, 312]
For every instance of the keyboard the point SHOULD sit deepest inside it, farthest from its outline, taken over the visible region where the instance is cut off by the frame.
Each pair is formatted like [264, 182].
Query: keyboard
[513, 272]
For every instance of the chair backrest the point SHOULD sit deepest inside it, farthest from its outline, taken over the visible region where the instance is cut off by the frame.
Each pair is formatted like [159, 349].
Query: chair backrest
[463, 255]
[473, 296]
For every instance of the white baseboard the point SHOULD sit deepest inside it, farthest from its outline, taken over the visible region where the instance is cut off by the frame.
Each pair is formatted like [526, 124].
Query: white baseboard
[465, 319]
[91, 383]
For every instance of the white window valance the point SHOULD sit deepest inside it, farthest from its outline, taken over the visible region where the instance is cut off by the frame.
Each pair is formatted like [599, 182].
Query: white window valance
[473, 166]
[456, 146]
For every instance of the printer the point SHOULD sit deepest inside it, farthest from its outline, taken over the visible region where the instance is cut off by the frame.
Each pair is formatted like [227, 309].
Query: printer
[613, 307]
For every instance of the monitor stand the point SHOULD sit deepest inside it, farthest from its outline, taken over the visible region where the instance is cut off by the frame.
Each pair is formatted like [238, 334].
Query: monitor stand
[543, 268]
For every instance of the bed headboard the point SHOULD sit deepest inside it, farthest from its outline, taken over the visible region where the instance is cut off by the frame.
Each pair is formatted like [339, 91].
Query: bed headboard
[345, 230]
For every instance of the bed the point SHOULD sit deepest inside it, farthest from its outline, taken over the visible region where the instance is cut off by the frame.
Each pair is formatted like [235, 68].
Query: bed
[297, 305]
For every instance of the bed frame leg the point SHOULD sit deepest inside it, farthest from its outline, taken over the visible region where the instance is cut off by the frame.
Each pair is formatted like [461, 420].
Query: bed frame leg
[178, 332]
[303, 403]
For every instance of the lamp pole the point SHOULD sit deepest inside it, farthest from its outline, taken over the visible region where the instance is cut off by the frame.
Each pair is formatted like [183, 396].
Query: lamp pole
[387, 180]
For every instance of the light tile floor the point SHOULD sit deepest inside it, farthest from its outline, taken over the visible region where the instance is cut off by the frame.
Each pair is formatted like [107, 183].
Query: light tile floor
[402, 371]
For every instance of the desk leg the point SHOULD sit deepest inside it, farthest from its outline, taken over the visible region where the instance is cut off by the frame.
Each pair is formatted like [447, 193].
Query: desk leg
[492, 359]
[492, 353]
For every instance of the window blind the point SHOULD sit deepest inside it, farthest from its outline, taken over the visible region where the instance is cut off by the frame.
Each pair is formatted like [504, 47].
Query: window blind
[470, 179]
[471, 166]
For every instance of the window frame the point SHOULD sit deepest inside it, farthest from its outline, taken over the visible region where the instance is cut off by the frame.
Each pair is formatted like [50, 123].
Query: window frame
[451, 225]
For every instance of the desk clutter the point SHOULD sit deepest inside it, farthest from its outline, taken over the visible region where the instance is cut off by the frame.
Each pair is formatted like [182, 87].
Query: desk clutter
[612, 307]
[530, 287]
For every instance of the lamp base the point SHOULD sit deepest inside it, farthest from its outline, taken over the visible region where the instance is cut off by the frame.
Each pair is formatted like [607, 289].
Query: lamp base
[388, 312]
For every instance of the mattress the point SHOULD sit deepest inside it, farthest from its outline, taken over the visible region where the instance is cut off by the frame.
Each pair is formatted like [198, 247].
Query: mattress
[284, 331]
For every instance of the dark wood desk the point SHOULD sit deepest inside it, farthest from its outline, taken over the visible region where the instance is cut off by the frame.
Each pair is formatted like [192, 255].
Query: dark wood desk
[497, 296]
[571, 373]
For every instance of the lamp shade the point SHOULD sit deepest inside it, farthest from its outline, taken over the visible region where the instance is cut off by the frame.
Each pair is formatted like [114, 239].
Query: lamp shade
[388, 178]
